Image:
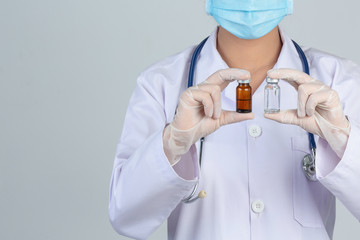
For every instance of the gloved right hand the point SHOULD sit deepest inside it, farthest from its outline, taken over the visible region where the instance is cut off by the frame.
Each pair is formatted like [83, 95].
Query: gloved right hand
[199, 113]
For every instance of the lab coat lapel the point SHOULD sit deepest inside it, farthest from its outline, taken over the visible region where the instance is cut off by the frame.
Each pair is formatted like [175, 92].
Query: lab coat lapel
[209, 60]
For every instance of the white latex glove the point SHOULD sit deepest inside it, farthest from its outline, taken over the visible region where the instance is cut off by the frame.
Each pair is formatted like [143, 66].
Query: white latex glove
[319, 109]
[199, 113]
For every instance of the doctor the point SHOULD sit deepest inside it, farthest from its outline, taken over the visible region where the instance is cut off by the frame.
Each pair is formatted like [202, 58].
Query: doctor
[251, 164]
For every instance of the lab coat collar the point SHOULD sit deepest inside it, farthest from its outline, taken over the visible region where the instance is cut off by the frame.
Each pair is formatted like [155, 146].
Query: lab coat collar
[210, 61]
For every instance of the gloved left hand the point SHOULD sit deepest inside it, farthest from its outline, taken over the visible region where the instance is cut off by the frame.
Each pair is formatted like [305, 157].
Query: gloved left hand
[319, 109]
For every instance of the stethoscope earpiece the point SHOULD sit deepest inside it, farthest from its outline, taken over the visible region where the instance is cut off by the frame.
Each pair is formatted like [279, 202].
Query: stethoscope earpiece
[202, 194]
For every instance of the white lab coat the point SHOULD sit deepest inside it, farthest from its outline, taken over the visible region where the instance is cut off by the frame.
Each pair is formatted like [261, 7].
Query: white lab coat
[255, 160]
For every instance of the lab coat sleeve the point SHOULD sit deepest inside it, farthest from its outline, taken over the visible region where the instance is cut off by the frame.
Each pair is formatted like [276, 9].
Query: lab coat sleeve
[344, 179]
[342, 176]
[144, 188]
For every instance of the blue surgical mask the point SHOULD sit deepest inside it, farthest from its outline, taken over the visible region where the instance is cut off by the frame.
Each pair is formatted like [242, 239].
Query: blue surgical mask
[249, 19]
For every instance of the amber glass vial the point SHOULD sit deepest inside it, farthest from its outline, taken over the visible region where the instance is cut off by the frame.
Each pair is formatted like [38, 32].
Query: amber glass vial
[243, 96]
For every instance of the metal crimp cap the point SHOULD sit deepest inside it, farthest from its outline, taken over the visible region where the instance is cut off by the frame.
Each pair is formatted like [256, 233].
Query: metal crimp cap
[272, 80]
[244, 81]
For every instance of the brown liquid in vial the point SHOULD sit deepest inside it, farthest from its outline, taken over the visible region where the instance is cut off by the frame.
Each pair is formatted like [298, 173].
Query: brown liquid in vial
[243, 98]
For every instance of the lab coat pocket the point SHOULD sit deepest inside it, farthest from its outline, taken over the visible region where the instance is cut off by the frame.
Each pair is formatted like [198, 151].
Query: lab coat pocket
[307, 195]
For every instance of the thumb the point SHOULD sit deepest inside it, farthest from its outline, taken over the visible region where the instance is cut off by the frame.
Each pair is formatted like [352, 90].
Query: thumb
[228, 117]
[287, 116]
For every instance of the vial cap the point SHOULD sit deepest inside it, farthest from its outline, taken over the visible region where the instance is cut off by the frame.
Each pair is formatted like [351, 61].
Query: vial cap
[272, 80]
[244, 81]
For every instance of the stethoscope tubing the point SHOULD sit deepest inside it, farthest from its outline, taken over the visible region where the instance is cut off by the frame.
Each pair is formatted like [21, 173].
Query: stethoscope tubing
[308, 169]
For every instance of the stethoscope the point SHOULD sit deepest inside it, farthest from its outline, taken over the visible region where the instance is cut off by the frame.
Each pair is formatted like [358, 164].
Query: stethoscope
[308, 163]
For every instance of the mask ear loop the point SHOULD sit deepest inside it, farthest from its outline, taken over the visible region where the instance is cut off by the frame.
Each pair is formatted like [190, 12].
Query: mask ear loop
[290, 7]
[208, 7]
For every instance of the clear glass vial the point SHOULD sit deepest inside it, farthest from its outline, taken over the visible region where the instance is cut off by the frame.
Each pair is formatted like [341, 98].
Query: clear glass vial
[243, 96]
[272, 96]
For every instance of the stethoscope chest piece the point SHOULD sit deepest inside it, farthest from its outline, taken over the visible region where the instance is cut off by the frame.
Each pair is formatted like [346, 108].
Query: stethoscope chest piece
[309, 167]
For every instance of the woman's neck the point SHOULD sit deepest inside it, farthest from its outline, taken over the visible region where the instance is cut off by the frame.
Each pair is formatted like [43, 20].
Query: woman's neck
[255, 55]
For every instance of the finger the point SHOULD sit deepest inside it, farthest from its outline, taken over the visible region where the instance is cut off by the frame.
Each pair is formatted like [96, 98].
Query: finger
[287, 116]
[205, 99]
[304, 91]
[223, 77]
[320, 97]
[228, 117]
[215, 93]
[292, 76]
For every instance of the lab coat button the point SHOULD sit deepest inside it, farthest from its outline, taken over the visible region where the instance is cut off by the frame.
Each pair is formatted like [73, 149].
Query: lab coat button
[255, 131]
[257, 206]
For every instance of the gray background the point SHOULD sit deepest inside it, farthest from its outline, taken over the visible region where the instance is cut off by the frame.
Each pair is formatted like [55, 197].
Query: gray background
[67, 69]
